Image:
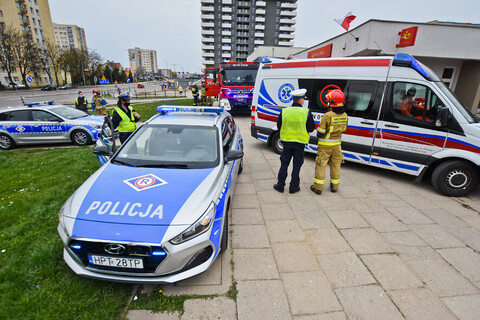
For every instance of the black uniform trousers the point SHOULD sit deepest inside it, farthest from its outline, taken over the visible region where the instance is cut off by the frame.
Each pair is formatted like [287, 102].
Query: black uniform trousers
[295, 150]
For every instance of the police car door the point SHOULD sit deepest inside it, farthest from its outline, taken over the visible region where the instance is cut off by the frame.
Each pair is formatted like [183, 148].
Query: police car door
[47, 127]
[409, 136]
[107, 138]
[19, 125]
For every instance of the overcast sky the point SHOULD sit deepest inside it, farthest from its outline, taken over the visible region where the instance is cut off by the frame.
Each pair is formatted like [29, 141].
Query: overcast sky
[172, 27]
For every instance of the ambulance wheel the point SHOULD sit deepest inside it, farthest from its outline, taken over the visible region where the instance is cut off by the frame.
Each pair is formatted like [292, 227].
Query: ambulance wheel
[6, 143]
[224, 241]
[81, 138]
[277, 143]
[455, 178]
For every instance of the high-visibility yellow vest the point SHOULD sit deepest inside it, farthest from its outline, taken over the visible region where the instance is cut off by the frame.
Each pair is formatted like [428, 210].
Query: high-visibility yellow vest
[294, 125]
[126, 125]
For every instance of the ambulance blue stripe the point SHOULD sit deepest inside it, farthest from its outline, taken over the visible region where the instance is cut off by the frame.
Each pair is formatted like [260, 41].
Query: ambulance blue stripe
[262, 101]
[269, 111]
[262, 137]
[406, 166]
[264, 94]
[113, 210]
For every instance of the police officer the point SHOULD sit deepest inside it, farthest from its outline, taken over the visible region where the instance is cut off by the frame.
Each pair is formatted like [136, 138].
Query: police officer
[124, 117]
[195, 94]
[329, 134]
[97, 102]
[81, 102]
[294, 123]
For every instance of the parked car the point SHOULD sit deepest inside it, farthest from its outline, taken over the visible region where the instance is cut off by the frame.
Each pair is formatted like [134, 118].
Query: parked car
[65, 87]
[17, 86]
[46, 122]
[140, 85]
[157, 210]
[48, 87]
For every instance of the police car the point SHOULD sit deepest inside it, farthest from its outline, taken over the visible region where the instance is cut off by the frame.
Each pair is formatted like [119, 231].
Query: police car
[46, 122]
[157, 210]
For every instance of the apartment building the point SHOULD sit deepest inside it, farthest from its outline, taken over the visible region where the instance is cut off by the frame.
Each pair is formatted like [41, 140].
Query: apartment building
[142, 60]
[33, 18]
[232, 29]
[69, 36]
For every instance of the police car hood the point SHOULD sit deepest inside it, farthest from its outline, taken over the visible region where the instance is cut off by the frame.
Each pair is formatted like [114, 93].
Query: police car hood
[97, 119]
[139, 204]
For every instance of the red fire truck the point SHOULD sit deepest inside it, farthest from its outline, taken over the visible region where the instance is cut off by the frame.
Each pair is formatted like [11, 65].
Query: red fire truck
[233, 83]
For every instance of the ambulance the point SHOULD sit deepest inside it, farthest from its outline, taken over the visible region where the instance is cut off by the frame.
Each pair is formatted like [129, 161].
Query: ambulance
[401, 116]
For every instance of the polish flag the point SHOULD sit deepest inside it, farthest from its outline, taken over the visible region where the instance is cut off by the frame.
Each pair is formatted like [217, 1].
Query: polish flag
[345, 21]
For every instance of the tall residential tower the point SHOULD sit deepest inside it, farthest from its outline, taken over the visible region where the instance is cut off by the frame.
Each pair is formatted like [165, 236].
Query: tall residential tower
[232, 29]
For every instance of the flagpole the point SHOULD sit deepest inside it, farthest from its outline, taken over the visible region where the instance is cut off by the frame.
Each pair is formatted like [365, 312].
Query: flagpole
[356, 38]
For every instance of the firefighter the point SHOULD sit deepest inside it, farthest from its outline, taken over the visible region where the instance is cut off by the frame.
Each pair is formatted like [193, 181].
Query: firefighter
[124, 117]
[97, 102]
[329, 134]
[195, 94]
[294, 123]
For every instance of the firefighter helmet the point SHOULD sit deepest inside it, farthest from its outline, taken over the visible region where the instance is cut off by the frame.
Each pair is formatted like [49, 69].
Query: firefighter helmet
[335, 98]
[95, 91]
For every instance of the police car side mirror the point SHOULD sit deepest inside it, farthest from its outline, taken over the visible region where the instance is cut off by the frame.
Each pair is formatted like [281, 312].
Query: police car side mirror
[102, 150]
[234, 155]
[443, 115]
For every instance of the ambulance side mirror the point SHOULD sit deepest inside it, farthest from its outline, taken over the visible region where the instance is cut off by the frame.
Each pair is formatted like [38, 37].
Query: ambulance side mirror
[443, 116]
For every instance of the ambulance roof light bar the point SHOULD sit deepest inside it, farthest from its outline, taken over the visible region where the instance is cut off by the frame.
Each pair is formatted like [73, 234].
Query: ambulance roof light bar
[406, 60]
[167, 109]
[39, 103]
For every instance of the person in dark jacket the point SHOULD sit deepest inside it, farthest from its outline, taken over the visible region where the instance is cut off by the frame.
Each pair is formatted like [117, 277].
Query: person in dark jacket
[294, 124]
[81, 102]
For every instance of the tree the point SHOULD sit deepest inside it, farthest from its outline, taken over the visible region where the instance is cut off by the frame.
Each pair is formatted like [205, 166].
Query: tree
[107, 73]
[93, 64]
[53, 58]
[24, 53]
[7, 61]
[74, 61]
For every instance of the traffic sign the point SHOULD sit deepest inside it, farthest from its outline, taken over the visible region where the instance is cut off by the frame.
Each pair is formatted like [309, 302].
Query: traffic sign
[128, 80]
[127, 73]
[29, 79]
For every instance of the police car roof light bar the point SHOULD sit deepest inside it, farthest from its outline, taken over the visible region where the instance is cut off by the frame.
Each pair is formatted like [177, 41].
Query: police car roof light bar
[406, 60]
[38, 103]
[166, 109]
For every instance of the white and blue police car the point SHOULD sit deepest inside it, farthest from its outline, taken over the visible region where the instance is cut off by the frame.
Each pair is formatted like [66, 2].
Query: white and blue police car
[47, 122]
[157, 210]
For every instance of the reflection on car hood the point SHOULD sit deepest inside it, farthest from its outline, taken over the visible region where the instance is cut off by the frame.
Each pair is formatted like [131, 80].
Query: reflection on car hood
[124, 200]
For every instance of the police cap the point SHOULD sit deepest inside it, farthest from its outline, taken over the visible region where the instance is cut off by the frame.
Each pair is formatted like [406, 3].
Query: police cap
[300, 93]
[124, 95]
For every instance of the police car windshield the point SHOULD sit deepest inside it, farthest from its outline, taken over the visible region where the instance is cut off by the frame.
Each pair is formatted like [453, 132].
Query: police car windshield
[171, 146]
[69, 113]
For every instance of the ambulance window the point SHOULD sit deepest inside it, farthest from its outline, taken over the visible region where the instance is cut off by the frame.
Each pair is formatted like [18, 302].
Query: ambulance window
[413, 101]
[22, 115]
[320, 88]
[359, 98]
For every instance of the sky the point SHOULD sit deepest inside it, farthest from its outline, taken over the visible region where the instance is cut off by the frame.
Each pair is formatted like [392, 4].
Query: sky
[172, 27]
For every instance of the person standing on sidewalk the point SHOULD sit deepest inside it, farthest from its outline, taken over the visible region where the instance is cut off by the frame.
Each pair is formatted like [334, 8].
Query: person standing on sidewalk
[329, 132]
[124, 117]
[81, 102]
[294, 124]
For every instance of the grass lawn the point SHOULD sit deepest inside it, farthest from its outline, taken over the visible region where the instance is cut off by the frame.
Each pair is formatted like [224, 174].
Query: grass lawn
[35, 282]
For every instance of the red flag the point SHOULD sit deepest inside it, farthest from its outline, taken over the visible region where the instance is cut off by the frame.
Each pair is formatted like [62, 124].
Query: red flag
[345, 21]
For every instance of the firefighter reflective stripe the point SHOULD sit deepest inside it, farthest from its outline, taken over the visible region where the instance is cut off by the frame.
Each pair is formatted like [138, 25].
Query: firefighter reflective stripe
[335, 181]
[319, 181]
[329, 142]
[320, 130]
[126, 125]
[294, 125]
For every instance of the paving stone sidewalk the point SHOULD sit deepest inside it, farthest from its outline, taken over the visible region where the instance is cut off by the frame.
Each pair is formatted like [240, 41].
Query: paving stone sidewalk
[383, 247]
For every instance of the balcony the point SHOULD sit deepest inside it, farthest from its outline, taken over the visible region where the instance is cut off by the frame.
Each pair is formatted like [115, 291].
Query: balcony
[260, 11]
[208, 62]
[208, 47]
[227, 2]
[243, 4]
[259, 34]
[226, 55]
[259, 27]
[226, 33]
[259, 19]
[208, 40]
[227, 9]
[226, 40]
[243, 27]
[288, 5]
[260, 3]
[208, 9]
[208, 54]
[226, 48]
[288, 36]
[288, 21]
[208, 25]
[227, 17]
[208, 1]
[288, 14]
[208, 32]
[260, 42]
[284, 28]
[285, 43]
[207, 17]
[226, 25]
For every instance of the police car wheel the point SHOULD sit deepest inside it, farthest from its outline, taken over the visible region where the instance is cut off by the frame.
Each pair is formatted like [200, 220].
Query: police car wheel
[240, 167]
[81, 138]
[6, 143]
[224, 241]
[455, 178]
[277, 143]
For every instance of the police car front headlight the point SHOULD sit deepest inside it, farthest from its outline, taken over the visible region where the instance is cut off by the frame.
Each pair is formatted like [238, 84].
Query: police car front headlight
[199, 227]
[61, 216]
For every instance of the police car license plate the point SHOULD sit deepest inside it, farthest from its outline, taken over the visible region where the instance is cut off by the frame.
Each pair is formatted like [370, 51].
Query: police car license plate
[118, 262]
